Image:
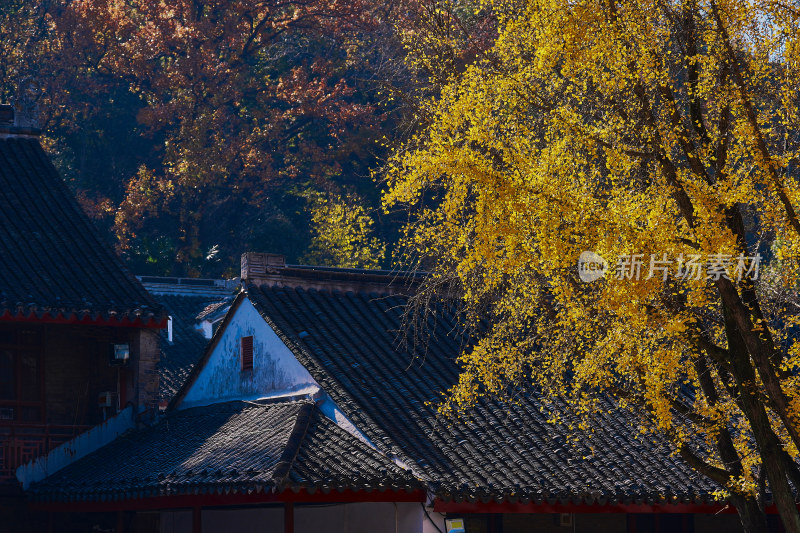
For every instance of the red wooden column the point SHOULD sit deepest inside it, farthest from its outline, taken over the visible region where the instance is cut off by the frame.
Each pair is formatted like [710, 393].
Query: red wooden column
[288, 517]
[197, 520]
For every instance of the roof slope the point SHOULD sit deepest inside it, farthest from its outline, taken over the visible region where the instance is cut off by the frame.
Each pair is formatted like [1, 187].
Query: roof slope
[235, 446]
[179, 357]
[349, 343]
[52, 259]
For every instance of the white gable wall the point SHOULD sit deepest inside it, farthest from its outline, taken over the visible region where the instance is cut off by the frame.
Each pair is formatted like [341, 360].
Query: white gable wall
[276, 372]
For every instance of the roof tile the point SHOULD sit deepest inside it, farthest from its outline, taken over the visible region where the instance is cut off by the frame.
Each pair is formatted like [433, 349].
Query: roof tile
[180, 356]
[233, 446]
[53, 262]
[352, 345]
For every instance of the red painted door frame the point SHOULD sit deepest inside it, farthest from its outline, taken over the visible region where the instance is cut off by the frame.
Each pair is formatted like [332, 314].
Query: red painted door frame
[197, 519]
[288, 517]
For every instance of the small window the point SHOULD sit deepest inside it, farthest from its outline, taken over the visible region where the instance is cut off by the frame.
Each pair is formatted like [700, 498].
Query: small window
[246, 353]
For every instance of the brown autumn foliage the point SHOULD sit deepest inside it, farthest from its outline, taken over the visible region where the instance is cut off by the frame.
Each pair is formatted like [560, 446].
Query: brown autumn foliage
[192, 130]
[215, 110]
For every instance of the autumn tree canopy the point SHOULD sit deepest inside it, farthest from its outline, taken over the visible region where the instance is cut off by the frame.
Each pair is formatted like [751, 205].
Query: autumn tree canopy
[195, 129]
[661, 137]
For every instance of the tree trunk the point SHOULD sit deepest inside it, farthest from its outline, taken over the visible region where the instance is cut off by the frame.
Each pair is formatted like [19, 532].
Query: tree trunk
[753, 518]
[767, 442]
[772, 461]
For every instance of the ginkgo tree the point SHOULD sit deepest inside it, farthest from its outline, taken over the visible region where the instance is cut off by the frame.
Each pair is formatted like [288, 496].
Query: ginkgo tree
[658, 140]
[342, 233]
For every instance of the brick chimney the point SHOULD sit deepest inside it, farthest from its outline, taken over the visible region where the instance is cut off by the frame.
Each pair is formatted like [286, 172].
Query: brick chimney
[271, 270]
[14, 124]
[256, 266]
[6, 115]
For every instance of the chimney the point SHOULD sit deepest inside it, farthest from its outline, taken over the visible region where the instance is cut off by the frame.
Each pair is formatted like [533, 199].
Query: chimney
[257, 266]
[6, 115]
[16, 124]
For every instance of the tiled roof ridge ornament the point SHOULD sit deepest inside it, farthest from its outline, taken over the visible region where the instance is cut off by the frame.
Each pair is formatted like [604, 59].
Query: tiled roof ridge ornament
[271, 270]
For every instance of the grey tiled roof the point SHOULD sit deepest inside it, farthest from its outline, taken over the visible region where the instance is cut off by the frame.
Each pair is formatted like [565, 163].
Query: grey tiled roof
[235, 446]
[506, 452]
[53, 263]
[179, 357]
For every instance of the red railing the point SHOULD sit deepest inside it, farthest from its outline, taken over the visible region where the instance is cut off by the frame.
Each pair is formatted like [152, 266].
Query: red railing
[22, 443]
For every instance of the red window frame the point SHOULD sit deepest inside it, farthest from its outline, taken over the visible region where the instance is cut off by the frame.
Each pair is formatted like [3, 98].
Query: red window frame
[246, 352]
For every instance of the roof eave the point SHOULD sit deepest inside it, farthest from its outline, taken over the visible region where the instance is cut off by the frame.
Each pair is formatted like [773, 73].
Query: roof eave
[86, 319]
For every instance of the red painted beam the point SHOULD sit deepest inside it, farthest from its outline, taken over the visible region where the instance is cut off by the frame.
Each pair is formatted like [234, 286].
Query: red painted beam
[190, 501]
[288, 517]
[72, 318]
[493, 507]
[197, 519]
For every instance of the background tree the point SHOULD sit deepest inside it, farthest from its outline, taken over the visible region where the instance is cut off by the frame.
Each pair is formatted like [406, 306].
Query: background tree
[193, 126]
[667, 129]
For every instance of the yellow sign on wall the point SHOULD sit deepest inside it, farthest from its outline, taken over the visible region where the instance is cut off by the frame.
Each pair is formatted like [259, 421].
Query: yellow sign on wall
[455, 525]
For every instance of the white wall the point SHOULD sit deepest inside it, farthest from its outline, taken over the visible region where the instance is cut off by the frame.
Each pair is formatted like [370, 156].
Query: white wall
[263, 520]
[77, 448]
[432, 521]
[176, 522]
[276, 371]
[359, 518]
